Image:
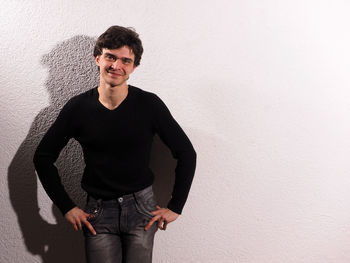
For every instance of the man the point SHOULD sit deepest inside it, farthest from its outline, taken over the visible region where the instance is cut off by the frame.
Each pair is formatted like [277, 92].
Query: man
[115, 123]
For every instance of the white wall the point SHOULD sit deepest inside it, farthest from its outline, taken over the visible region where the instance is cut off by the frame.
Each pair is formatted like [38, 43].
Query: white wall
[260, 86]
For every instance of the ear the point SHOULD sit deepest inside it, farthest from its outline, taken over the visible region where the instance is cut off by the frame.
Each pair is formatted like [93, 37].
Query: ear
[97, 60]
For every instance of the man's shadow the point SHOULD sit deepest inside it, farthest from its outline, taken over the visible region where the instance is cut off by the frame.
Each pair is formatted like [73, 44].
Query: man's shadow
[72, 70]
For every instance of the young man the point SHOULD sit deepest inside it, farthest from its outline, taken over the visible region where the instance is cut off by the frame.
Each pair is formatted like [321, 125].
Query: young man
[115, 123]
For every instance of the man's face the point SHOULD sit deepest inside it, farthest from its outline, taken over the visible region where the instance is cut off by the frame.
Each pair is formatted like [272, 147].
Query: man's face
[115, 65]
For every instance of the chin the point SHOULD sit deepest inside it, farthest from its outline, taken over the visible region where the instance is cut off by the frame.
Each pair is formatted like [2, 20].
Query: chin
[114, 84]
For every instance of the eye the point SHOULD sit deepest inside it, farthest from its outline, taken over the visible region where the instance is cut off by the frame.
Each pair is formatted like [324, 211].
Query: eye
[126, 61]
[110, 57]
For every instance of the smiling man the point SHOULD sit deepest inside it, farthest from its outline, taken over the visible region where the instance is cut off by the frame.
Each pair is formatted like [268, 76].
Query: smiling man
[115, 124]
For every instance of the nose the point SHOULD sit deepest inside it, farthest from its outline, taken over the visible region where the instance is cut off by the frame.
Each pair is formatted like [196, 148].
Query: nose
[117, 64]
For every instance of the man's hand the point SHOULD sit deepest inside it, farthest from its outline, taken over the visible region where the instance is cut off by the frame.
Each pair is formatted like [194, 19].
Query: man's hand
[77, 218]
[164, 216]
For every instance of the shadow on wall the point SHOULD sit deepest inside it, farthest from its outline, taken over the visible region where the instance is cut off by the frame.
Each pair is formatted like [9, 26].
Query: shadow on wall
[72, 70]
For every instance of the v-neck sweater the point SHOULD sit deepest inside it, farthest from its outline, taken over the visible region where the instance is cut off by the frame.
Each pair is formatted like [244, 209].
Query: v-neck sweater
[116, 145]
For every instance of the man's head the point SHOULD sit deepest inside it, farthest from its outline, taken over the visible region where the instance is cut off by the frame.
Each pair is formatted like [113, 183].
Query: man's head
[116, 37]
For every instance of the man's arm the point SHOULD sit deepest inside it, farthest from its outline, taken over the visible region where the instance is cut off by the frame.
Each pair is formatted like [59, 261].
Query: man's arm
[181, 148]
[44, 160]
[46, 155]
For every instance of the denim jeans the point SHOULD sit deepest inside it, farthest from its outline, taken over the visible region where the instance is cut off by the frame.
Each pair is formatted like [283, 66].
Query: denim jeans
[119, 224]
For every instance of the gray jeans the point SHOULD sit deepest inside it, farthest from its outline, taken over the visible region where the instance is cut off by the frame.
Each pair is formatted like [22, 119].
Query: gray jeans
[119, 224]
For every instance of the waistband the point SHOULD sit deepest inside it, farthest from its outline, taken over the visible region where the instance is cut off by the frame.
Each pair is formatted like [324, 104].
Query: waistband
[124, 198]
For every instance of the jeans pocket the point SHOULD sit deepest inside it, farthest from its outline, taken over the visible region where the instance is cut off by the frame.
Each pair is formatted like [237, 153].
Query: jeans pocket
[94, 210]
[145, 206]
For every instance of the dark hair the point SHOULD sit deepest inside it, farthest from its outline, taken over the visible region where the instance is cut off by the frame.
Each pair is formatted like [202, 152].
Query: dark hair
[116, 37]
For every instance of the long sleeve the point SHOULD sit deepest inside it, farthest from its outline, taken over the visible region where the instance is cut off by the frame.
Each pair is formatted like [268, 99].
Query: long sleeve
[46, 155]
[181, 148]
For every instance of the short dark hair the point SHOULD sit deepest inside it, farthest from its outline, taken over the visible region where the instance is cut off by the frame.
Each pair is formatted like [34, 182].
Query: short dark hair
[116, 37]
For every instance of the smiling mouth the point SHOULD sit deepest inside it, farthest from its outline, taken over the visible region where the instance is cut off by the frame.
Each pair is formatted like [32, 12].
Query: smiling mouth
[115, 74]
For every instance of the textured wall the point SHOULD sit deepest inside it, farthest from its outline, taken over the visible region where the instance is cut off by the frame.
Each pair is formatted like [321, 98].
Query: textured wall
[261, 88]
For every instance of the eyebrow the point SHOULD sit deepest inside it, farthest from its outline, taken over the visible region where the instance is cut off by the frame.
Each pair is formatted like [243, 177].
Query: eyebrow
[124, 58]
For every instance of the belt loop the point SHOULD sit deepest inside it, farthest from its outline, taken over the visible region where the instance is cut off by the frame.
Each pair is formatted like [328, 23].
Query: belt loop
[134, 195]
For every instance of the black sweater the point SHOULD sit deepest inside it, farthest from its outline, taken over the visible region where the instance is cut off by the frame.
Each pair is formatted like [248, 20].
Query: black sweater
[116, 146]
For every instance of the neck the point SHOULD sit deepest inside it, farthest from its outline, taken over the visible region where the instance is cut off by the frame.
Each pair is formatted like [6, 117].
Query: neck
[111, 97]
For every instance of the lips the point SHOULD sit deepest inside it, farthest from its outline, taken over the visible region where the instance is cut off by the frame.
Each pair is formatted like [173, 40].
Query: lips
[114, 74]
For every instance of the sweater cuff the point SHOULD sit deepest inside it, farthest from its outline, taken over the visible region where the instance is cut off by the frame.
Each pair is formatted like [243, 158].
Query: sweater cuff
[66, 207]
[175, 208]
